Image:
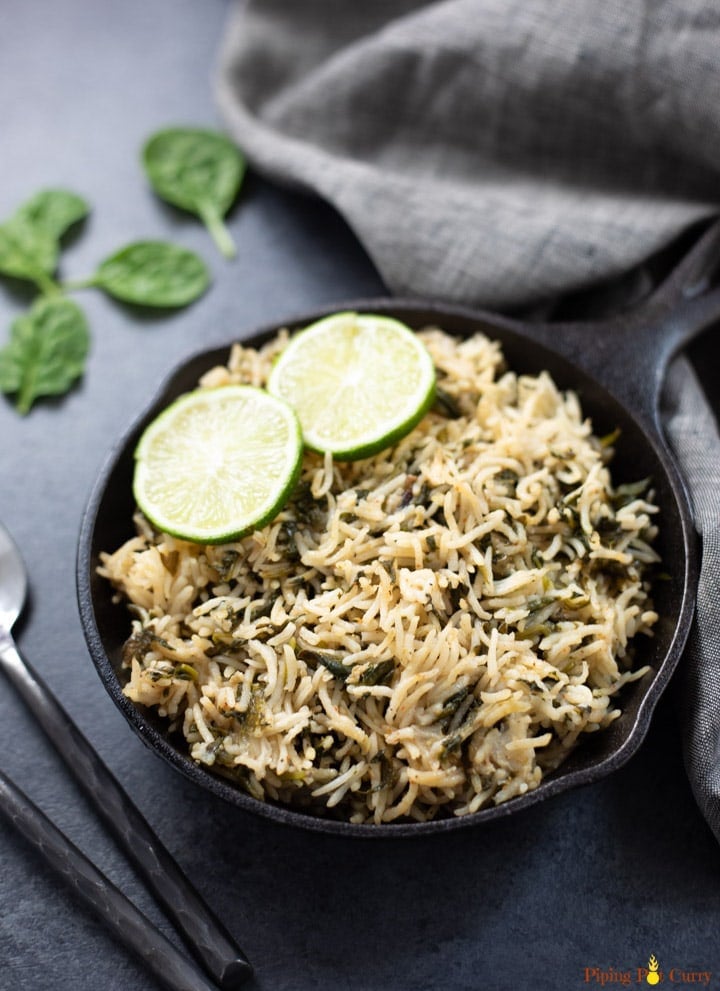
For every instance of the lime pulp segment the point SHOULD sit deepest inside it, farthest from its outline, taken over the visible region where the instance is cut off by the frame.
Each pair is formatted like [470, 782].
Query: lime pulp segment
[217, 463]
[358, 382]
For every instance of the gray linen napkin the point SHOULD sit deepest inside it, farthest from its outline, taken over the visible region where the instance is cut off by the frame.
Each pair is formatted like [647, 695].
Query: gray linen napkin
[502, 153]
[693, 434]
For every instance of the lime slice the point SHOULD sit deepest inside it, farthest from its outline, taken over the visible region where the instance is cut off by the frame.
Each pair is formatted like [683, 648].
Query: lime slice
[358, 383]
[217, 463]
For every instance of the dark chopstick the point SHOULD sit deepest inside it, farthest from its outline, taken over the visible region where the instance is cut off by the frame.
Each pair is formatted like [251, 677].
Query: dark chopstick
[171, 967]
[205, 935]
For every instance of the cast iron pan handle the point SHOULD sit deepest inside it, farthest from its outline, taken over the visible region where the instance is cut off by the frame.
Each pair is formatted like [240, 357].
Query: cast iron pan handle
[628, 354]
[692, 275]
[204, 933]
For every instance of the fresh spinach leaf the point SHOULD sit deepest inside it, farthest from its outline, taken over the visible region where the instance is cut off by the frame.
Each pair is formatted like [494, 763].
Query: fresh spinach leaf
[48, 345]
[53, 211]
[153, 273]
[46, 352]
[28, 252]
[30, 239]
[199, 171]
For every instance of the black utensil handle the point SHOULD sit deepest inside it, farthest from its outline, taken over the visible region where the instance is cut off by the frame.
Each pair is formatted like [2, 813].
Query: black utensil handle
[204, 933]
[172, 968]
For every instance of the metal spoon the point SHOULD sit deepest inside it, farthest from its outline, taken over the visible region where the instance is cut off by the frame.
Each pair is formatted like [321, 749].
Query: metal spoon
[205, 935]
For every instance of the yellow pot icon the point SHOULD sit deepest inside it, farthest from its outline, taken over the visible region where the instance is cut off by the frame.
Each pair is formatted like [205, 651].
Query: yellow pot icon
[653, 966]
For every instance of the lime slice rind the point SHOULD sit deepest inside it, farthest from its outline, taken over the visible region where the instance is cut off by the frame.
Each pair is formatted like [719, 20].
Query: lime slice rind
[217, 463]
[358, 382]
[369, 445]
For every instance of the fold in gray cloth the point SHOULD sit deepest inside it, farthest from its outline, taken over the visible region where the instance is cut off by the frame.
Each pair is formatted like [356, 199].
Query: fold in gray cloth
[501, 153]
[486, 151]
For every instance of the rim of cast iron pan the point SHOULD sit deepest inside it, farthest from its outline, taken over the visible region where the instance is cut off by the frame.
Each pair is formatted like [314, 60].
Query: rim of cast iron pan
[107, 522]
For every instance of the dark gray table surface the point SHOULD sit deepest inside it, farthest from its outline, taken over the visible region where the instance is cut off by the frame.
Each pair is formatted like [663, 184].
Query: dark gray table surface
[598, 878]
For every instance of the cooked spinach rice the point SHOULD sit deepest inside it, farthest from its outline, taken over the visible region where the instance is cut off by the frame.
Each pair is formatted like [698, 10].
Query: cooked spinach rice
[424, 632]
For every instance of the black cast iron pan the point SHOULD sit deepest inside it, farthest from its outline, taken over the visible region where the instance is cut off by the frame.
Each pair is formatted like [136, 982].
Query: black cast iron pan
[617, 368]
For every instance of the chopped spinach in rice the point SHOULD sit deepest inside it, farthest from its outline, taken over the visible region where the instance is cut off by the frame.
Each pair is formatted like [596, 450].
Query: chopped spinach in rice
[424, 632]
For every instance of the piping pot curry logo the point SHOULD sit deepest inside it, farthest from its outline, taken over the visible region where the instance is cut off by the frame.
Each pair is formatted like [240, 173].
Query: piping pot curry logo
[651, 974]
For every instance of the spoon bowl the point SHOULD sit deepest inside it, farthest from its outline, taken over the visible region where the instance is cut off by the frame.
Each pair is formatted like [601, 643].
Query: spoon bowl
[13, 583]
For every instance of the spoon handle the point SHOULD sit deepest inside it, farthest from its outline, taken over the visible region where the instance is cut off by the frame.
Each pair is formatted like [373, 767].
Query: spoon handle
[171, 967]
[205, 934]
